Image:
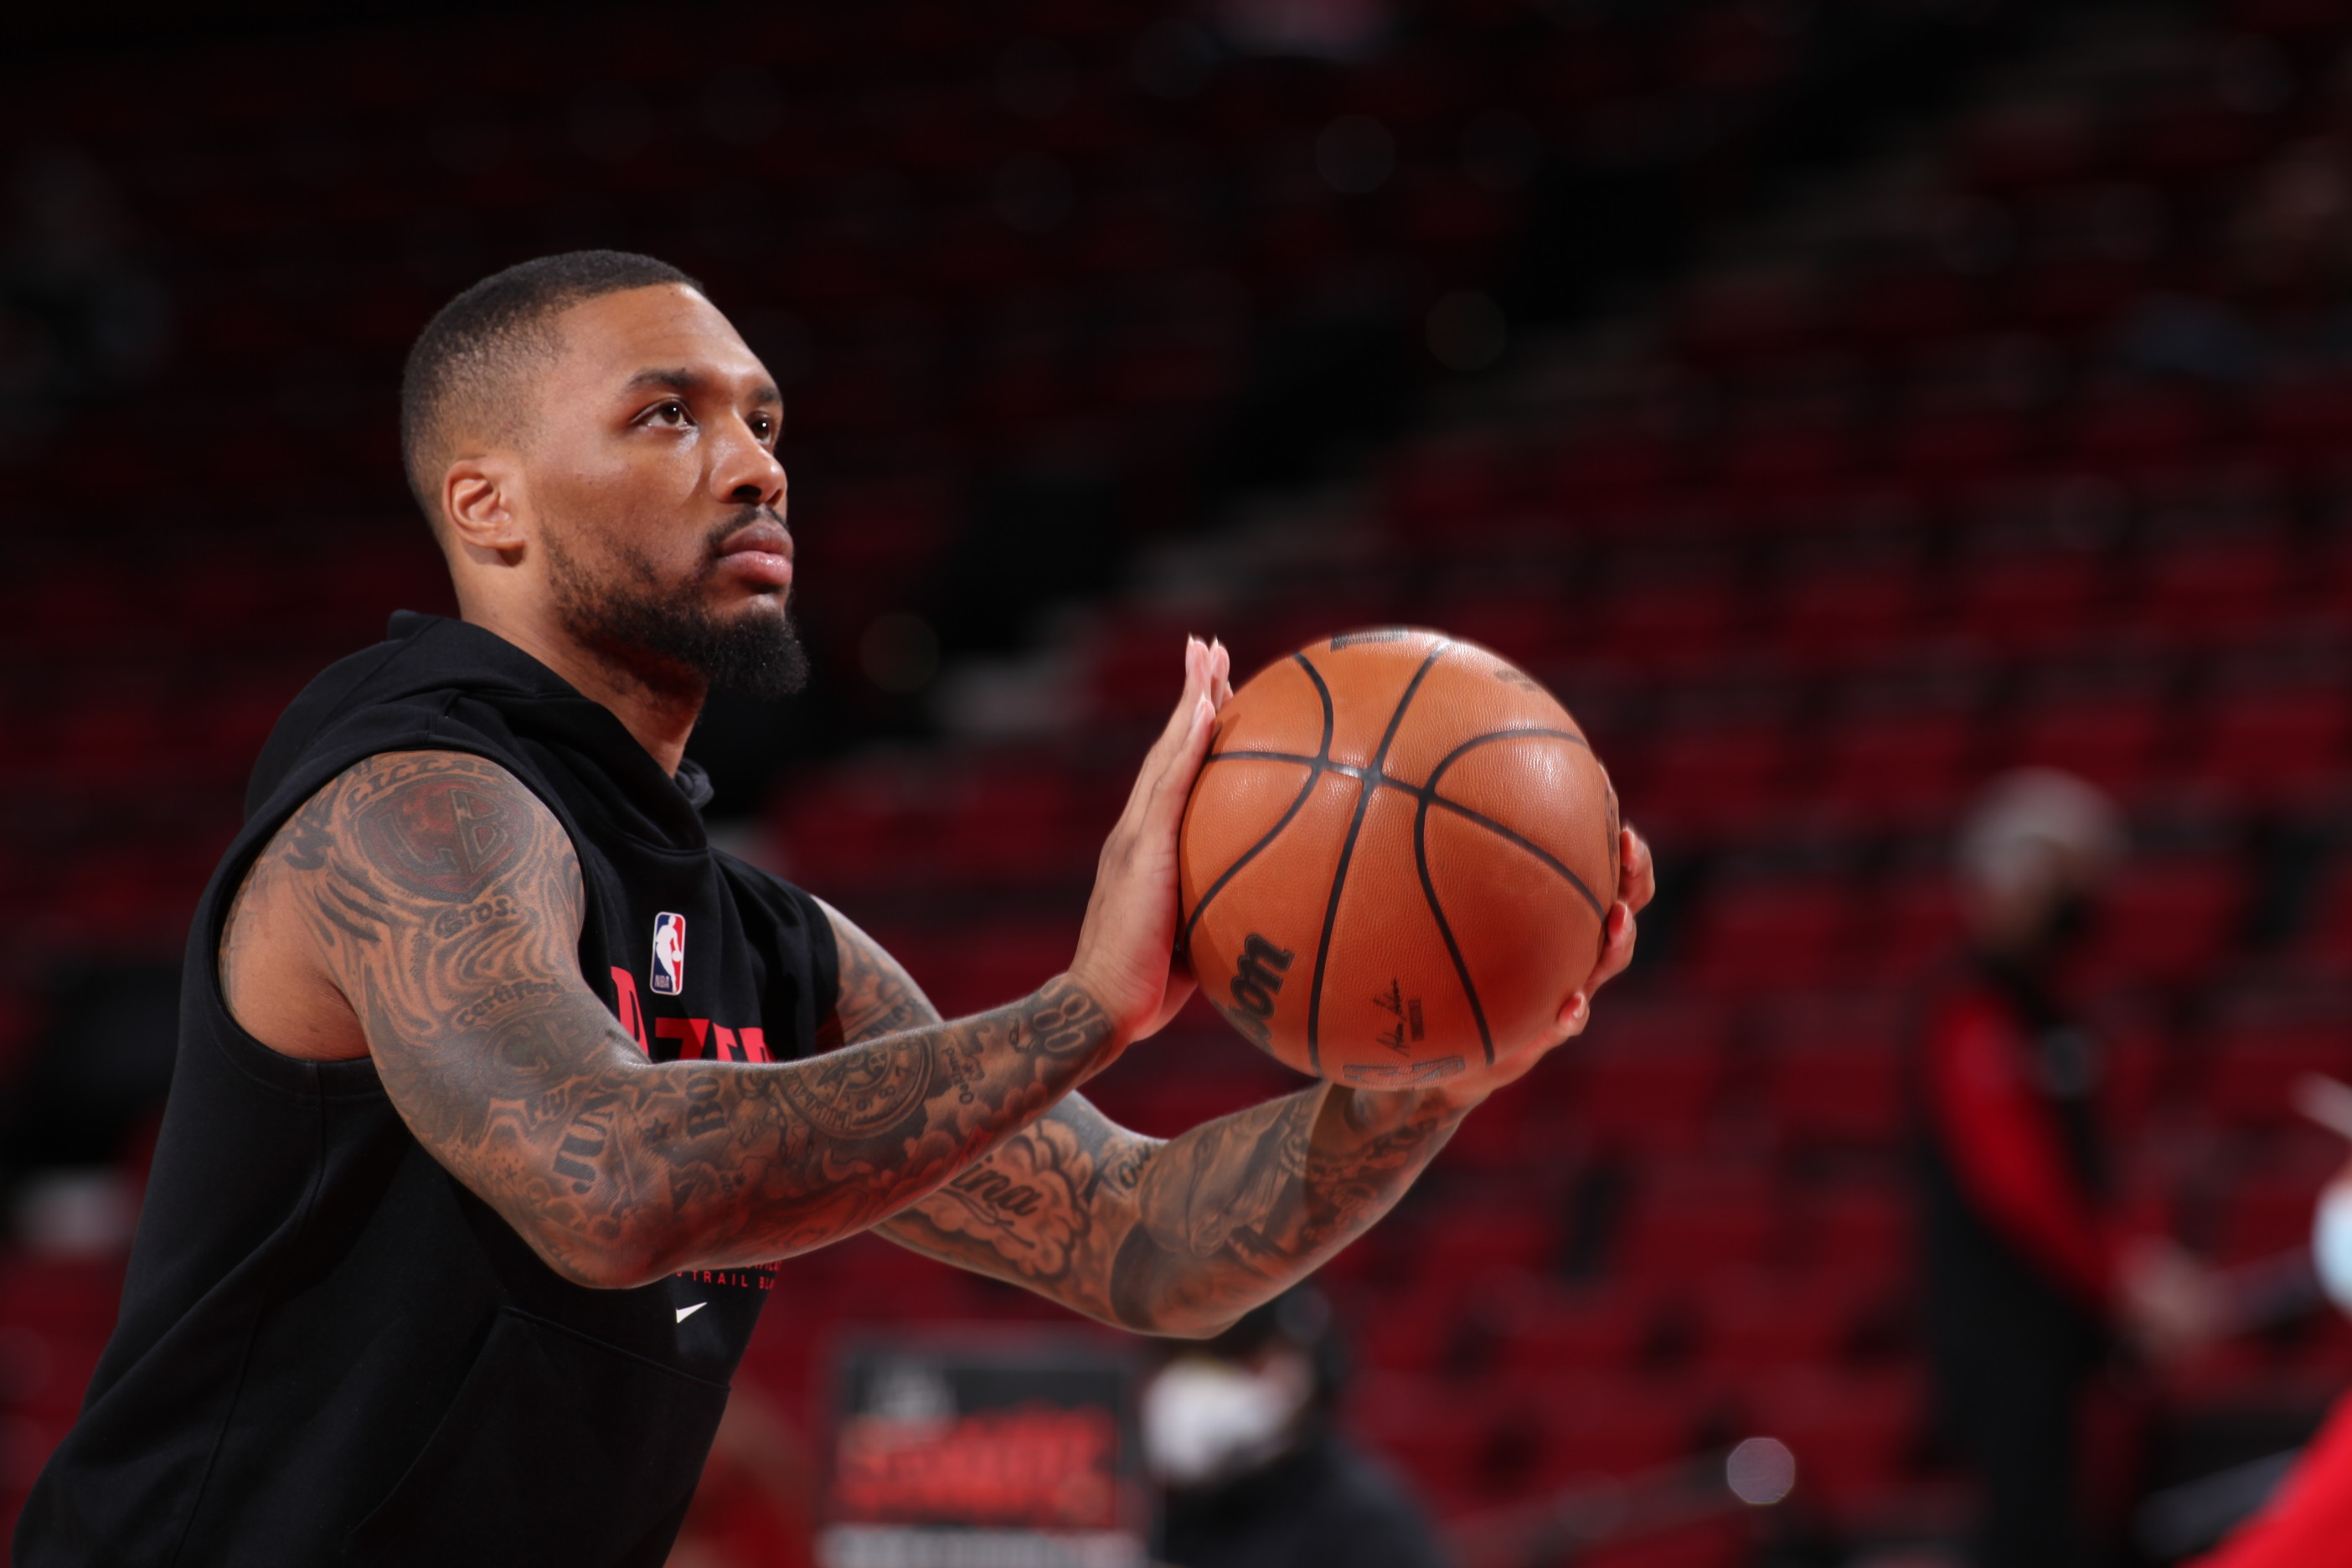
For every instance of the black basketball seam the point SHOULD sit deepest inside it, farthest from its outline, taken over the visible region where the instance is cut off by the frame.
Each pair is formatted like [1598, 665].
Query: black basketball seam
[1315, 765]
[1489, 822]
[1323, 692]
[1453, 948]
[1323, 759]
[1538, 850]
[1347, 846]
[1378, 780]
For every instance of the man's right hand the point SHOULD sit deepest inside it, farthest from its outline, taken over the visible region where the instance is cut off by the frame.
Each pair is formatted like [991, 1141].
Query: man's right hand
[1126, 951]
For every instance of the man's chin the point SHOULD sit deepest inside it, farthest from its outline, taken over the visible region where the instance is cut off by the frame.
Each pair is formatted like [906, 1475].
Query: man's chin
[729, 641]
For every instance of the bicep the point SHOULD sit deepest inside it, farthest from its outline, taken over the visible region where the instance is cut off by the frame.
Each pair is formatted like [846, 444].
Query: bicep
[443, 899]
[874, 995]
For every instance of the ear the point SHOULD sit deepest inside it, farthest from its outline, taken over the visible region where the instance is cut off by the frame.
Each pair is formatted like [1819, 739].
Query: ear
[484, 507]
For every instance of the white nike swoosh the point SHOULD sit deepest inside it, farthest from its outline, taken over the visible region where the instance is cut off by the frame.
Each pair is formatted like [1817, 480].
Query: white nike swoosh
[686, 1312]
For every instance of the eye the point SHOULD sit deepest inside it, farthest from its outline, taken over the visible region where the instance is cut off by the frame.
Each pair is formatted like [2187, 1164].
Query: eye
[672, 413]
[764, 426]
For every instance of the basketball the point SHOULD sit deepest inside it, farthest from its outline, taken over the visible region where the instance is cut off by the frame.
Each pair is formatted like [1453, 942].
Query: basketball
[1397, 860]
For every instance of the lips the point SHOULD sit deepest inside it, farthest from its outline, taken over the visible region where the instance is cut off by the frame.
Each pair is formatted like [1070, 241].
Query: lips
[758, 553]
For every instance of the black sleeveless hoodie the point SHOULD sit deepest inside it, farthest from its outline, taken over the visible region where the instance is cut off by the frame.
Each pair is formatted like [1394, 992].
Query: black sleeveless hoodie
[329, 1350]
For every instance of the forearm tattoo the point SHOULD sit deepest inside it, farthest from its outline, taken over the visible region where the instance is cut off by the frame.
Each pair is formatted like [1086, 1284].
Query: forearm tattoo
[1180, 1235]
[445, 903]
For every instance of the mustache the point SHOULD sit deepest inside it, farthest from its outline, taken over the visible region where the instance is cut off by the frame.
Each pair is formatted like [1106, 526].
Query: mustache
[741, 518]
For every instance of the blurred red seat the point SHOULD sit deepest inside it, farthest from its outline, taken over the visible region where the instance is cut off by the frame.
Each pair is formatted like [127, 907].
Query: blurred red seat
[1908, 305]
[1601, 468]
[1466, 1241]
[1578, 1331]
[1671, 621]
[1752, 1326]
[2029, 601]
[1901, 769]
[1429, 1427]
[2207, 590]
[1958, 444]
[1839, 615]
[1686, 1226]
[1854, 1433]
[1722, 1543]
[2112, 739]
[1836, 1090]
[1860, 1232]
[1604, 1425]
[2306, 419]
[2326, 935]
[2273, 745]
[2259, 1042]
[1770, 933]
[1648, 1073]
[2267, 1212]
[1914, 925]
[1437, 486]
[1712, 779]
[2171, 920]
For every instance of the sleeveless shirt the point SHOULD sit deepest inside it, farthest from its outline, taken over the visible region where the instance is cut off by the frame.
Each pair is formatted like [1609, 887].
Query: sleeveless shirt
[330, 1351]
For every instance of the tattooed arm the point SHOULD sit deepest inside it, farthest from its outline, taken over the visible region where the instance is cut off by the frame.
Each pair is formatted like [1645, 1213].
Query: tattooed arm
[432, 906]
[1183, 1236]
[1178, 1237]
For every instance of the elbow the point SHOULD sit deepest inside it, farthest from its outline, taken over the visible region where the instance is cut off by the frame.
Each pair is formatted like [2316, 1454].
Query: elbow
[1176, 1320]
[607, 1271]
[596, 1264]
[1195, 1328]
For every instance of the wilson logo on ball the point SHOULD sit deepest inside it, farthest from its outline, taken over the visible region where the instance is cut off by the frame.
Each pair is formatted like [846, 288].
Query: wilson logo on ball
[1259, 979]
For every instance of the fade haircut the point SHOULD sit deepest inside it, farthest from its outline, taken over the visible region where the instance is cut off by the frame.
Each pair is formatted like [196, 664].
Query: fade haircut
[463, 367]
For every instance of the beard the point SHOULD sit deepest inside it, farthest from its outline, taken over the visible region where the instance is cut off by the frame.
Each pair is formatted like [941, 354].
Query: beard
[653, 629]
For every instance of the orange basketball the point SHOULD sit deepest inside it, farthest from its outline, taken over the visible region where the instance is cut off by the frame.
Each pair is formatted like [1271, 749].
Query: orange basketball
[1397, 859]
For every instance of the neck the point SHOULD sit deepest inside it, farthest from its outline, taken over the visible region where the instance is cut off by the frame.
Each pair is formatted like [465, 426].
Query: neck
[657, 702]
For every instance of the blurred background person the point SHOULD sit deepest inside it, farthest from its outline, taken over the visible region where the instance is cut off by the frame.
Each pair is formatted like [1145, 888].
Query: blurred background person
[1240, 1430]
[2309, 1519]
[2031, 1276]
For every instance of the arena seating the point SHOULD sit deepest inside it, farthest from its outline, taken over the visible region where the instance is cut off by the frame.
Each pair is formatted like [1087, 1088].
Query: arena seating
[1853, 522]
[1804, 634]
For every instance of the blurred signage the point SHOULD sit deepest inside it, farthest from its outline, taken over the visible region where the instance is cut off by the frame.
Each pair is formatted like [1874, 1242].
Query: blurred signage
[979, 1450]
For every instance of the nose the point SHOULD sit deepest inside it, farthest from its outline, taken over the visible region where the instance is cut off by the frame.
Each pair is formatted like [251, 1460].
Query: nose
[746, 473]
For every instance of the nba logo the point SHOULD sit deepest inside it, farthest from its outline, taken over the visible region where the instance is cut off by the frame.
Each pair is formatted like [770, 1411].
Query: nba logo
[669, 954]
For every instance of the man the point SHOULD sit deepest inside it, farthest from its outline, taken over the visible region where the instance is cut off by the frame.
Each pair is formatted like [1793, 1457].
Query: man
[1243, 1432]
[2028, 1273]
[499, 1091]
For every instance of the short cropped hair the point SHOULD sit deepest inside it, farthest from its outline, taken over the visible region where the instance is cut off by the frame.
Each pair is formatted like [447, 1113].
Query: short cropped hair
[462, 369]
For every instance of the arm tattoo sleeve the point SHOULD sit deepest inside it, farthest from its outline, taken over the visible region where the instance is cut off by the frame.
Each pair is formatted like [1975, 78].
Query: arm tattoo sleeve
[444, 901]
[1178, 1237]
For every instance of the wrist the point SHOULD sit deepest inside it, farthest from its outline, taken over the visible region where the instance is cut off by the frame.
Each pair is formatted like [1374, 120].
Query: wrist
[1075, 998]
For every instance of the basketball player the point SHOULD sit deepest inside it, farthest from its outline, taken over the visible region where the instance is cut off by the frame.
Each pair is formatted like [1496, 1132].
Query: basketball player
[500, 1090]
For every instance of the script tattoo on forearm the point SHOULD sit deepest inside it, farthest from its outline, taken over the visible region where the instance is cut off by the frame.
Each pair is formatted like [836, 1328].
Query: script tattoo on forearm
[1179, 1235]
[446, 902]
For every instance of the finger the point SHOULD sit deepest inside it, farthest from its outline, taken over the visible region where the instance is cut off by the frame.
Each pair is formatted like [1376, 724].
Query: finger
[1617, 951]
[1179, 727]
[1164, 803]
[1637, 878]
[1574, 1013]
[1220, 673]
